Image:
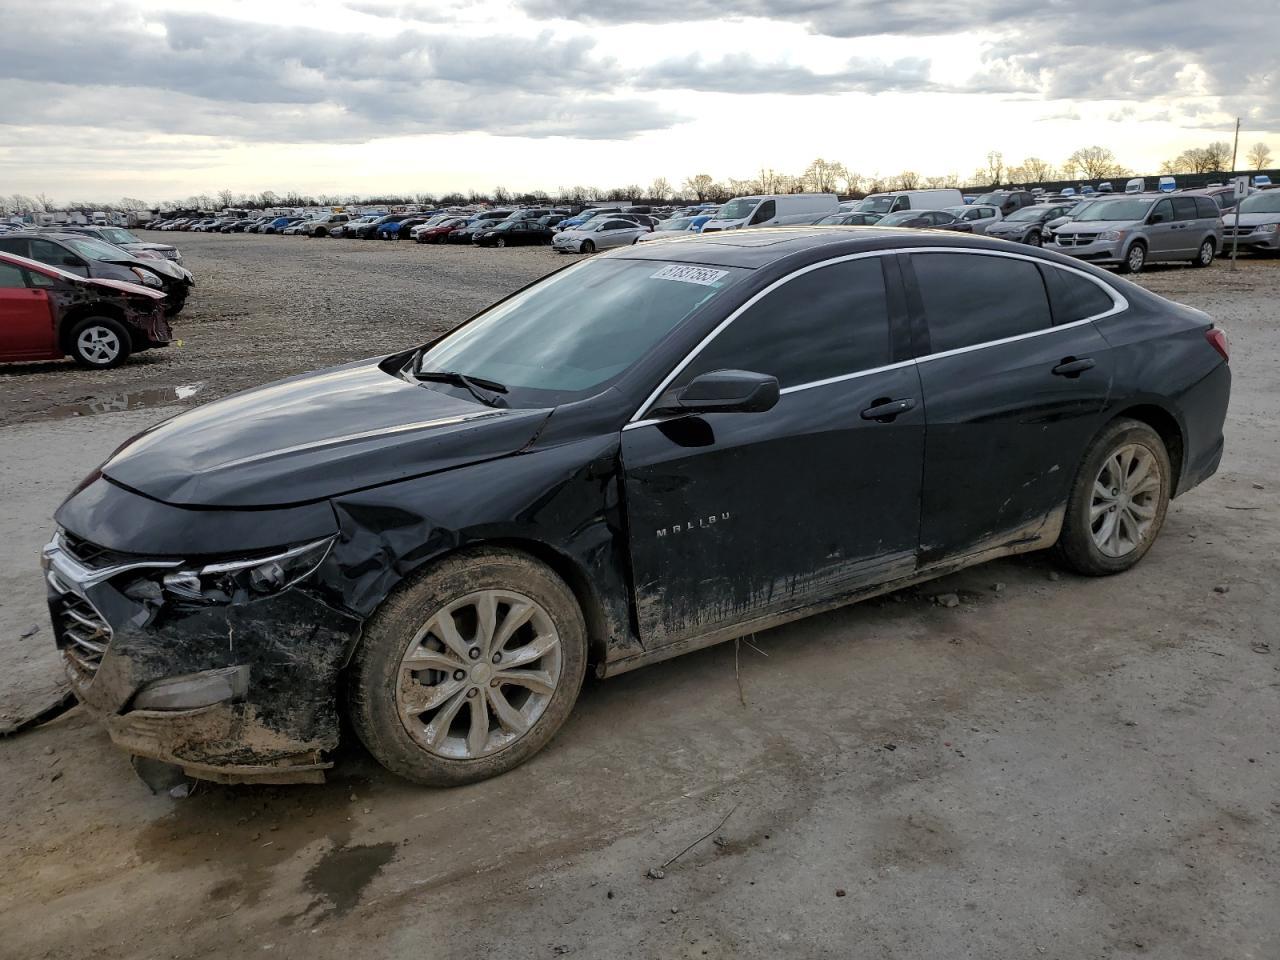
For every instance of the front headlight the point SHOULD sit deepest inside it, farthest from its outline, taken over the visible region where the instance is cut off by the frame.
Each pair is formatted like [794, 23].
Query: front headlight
[249, 577]
[1267, 228]
[1111, 235]
[147, 278]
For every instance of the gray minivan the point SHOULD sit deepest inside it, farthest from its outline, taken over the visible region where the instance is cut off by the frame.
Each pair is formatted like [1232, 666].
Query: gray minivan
[1134, 230]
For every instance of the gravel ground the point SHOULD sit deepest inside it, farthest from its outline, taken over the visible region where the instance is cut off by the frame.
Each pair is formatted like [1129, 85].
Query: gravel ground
[1057, 767]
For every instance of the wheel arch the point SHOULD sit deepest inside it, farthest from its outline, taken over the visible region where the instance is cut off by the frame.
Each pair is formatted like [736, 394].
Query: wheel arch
[82, 311]
[1170, 430]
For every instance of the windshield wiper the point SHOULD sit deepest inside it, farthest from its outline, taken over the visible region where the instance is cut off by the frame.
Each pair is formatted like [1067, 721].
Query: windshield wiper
[486, 391]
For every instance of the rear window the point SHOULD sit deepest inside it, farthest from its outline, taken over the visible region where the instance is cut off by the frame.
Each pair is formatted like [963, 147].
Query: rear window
[1074, 297]
[973, 298]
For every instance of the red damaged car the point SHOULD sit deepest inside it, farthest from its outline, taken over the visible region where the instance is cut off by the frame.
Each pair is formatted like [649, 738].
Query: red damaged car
[47, 313]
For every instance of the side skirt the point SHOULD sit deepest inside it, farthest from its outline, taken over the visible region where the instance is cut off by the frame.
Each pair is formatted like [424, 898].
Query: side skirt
[1041, 537]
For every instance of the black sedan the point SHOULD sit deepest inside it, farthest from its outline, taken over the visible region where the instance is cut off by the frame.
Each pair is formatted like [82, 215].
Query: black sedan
[91, 257]
[926, 219]
[653, 450]
[510, 233]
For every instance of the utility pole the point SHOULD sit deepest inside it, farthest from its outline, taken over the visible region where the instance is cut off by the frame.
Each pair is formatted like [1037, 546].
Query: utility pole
[1235, 146]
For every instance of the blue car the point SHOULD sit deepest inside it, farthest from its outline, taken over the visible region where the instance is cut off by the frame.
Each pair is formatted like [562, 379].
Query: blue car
[279, 223]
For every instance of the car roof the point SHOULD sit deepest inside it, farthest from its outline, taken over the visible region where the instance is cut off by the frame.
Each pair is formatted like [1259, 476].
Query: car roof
[764, 246]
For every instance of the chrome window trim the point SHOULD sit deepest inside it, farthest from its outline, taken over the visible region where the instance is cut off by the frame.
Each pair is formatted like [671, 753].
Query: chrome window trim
[1119, 304]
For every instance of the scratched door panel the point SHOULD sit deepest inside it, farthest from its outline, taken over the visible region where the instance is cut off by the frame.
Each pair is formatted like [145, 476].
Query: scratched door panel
[737, 515]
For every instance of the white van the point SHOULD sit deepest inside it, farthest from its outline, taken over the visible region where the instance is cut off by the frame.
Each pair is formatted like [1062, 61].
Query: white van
[1136, 185]
[896, 200]
[771, 210]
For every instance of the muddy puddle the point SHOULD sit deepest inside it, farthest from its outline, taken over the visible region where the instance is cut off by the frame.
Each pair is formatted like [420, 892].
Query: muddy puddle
[118, 402]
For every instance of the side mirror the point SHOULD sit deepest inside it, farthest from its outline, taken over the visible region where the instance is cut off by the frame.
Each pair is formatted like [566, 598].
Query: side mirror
[728, 391]
[1156, 218]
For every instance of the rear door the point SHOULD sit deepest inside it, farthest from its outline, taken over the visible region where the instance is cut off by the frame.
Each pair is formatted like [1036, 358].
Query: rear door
[26, 317]
[1012, 398]
[739, 516]
[1185, 226]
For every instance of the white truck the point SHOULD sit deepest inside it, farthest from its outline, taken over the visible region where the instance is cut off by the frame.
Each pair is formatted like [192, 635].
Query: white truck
[895, 200]
[772, 210]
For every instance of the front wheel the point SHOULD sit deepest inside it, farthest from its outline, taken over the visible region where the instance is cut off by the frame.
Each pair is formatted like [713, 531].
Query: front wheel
[99, 342]
[470, 670]
[1135, 259]
[588, 247]
[1205, 256]
[1034, 238]
[500, 242]
[1118, 501]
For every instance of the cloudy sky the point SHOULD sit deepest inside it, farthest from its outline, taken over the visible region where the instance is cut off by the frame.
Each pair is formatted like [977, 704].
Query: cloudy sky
[164, 98]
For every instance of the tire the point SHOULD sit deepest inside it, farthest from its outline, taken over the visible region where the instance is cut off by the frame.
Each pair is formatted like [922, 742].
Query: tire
[408, 620]
[587, 247]
[1205, 255]
[500, 242]
[99, 343]
[1035, 239]
[320, 233]
[1078, 546]
[1135, 259]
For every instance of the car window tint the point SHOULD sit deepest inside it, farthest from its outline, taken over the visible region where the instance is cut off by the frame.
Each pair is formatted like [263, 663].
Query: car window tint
[824, 323]
[11, 276]
[766, 211]
[1164, 210]
[971, 298]
[15, 245]
[1184, 208]
[47, 252]
[1074, 297]
[1206, 209]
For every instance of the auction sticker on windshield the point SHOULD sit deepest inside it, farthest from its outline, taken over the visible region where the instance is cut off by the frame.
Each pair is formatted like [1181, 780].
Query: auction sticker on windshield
[686, 274]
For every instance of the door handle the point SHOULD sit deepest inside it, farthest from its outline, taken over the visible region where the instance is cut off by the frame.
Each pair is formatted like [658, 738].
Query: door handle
[1071, 367]
[884, 410]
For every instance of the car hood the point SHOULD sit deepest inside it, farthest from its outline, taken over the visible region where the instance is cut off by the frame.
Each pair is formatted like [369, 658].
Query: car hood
[1096, 226]
[315, 436]
[1249, 219]
[144, 245]
[1011, 226]
[121, 285]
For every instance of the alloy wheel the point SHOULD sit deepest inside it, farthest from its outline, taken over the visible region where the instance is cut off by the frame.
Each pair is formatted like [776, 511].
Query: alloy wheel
[1126, 499]
[495, 653]
[1206, 253]
[1137, 258]
[98, 345]
[501, 242]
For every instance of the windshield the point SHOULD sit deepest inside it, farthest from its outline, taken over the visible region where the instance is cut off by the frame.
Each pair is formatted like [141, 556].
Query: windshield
[572, 334]
[738, 209]
[835, 218]
[1268, 202]
[1114, 210]
[1026, 213]
[679, 223]
[92, 249]
[116, 235]
[902, 216]
[875, 204]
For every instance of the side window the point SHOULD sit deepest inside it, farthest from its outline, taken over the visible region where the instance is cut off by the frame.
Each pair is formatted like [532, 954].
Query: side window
[617, 225]
[1206, 209]
[1184, 208]
[970, 298]
[47, 252]
[1163, 212]
[766, 211]
[902, 203]
[15, 245]
[1073, 297]
[825, 323]
[11, 277]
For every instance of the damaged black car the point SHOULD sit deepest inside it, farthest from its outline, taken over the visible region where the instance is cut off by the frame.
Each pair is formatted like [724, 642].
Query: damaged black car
[648, 452]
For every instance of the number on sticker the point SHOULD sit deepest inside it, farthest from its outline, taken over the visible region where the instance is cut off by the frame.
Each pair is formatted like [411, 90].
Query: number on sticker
[705, 276]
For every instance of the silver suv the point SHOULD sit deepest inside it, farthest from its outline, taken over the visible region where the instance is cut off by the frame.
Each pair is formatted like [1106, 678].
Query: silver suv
[1259, 223]
[1138, 229]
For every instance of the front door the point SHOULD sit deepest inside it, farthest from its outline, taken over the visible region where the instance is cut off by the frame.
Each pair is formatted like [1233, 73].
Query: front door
[734, 517]
[1162, 232]
[1012, 399]
[26, 318]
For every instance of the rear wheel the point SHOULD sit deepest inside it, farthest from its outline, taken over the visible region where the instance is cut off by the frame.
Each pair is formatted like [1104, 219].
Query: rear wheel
[500, 242]
[469, 671]
[99, 343]
[1205, 255]
[1135, 259]
[1118, 501]
[1034, 238]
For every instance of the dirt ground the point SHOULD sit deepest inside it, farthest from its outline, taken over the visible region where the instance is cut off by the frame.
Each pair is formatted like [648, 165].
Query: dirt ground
[1058, 767]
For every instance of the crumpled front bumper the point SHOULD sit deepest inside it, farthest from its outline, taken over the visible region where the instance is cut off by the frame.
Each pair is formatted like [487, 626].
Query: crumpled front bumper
[234, 692]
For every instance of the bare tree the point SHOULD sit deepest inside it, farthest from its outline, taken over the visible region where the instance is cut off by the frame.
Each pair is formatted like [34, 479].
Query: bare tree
[1211, 159]
[1037, 170]
[660, 189]
[501, 195]
[908, 180]
[822, 176]
[1091, 163]
[45, 201]
[1259, 155]
[995, 166]
[699, 185]
[852, 179]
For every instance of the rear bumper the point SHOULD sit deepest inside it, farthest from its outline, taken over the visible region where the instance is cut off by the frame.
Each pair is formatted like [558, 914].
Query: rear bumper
[1204, 408]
